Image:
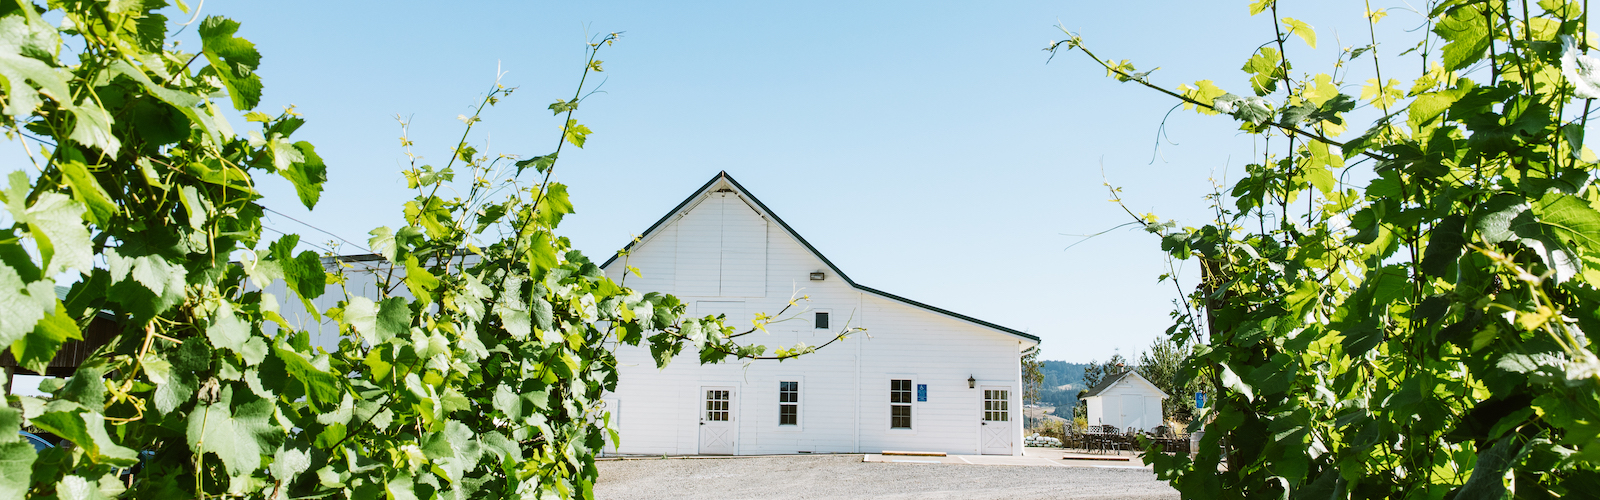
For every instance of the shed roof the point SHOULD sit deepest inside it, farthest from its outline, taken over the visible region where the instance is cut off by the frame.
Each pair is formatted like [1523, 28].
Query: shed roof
[724, 178]
[1108, 382]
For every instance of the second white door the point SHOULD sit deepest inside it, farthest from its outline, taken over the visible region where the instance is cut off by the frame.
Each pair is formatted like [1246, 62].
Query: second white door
[717, 433]
[996, 426]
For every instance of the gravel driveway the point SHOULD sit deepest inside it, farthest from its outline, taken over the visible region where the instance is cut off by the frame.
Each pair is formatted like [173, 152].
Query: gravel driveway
[846, 476]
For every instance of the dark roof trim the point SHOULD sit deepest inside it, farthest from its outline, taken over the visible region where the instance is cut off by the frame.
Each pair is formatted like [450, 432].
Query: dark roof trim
[1106, 383]
[807, 244]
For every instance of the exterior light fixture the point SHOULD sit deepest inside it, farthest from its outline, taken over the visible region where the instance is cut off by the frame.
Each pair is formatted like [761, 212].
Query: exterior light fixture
[818, 276]
[972, 383]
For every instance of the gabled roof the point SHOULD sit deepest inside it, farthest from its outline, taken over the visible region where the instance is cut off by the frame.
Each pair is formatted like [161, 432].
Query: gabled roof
[724, 177]
[1107, 382]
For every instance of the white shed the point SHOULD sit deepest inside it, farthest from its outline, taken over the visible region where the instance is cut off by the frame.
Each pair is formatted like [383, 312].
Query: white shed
[922, 379]
[1126, 400]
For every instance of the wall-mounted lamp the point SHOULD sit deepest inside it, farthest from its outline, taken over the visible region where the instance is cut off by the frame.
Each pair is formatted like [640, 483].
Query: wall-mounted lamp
[818, 276]
[972, 383]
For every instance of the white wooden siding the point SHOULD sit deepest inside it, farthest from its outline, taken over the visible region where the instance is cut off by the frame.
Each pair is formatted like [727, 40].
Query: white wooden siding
[845, 389]
[698, 259]
[744, 249]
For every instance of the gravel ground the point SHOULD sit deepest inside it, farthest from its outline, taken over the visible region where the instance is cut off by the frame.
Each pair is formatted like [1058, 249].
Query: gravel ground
[846, 476]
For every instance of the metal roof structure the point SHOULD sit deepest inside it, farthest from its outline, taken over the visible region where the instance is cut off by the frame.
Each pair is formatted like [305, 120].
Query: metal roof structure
[1111, 380]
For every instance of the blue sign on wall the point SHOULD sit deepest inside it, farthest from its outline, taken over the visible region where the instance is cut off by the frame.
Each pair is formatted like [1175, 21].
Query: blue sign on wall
[922, 392]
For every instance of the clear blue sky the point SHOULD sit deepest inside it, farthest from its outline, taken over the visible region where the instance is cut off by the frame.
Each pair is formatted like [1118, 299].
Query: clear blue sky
[926, 148]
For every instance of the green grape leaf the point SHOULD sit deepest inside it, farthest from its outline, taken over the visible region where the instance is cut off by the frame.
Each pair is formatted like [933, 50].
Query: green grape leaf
[512, 310]
[288, 463]
[16, 465]
[1231, 380]
[421, 282]
[93, 128]
[539, 163]
[543, 314]
[56, 223]
[1303, 30]
[233, 59]
[393, 319]
[1427, 107]
[575, 133]
[554, 205]
[1445, 242]
[400, 487]
[182, 381]
[307, 175]
[133, 277]
[87, 429]
[27, 60]
[184, 102]
[1205, 92]
[1468, 34]
[227, 330]
[303, 273]
[21, 305]
[382, 242]
[1486, 481]
[35, 350]
[238, 436]
[321, 386]
[431, 214]
[87, 191]
[562, 106]
[362, 316]
[1497, 218]
[541, 253]
[1266, 67]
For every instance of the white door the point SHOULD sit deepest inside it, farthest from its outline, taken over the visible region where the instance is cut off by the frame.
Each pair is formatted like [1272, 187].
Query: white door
[1132, 411]
[717, 434]
[996, 426]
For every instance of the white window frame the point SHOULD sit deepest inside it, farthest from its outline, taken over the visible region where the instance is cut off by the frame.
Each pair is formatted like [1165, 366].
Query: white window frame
[832, 321]
[800, 405]
[888, 412]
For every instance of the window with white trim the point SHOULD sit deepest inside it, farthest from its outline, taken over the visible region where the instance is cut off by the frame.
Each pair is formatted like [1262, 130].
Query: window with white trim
[822, 320]
[789, 403]
[900, 404]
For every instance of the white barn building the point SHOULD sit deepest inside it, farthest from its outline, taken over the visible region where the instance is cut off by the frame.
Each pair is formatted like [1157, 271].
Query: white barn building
[921, 378]
[1125, 400]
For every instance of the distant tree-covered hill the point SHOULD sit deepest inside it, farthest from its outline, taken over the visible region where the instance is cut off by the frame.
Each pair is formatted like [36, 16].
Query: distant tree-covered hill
[1062, 381]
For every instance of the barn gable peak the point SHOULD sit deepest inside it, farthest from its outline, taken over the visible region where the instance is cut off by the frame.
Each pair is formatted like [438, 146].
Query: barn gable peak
[724, 183]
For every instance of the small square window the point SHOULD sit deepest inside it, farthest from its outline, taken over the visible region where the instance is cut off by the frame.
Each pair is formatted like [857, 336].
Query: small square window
[822, 320]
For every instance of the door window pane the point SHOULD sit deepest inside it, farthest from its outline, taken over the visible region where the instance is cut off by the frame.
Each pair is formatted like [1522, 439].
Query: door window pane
[996, 405]
[717, 406]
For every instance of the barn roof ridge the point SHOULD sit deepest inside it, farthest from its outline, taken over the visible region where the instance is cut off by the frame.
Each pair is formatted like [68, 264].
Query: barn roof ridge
[724, 177]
